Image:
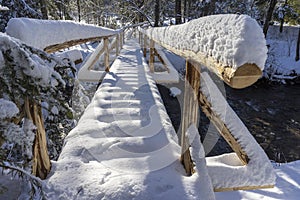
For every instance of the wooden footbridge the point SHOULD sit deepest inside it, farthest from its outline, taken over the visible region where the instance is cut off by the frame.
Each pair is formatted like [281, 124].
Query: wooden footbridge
[125, 137]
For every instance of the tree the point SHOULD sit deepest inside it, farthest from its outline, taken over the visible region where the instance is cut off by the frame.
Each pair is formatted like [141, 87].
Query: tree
[178, 12]
[157, 10]
[269, 16]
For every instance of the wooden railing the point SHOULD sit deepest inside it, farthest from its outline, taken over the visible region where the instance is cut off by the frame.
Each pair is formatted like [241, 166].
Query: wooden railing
[194, 98]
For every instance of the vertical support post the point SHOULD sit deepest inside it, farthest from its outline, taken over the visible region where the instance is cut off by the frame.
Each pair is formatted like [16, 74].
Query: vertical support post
[140, 38]
[145, 46]
[151, 58]
[190, 111]
[106, 54]
[117, 44]
[121, 40]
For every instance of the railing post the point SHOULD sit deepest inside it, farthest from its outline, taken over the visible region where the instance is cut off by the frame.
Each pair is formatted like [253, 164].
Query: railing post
[140, 37]
[151, 58]
[106, 54]
[190, 111]
[117, 45]
[145, 46]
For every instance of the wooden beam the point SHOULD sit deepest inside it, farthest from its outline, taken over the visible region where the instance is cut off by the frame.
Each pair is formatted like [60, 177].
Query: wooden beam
[106, 54]
[243, 188]
[57, 47]
[117, 45]
[190, 111]
[222, 128]
[241, 77]
[145, 46]
[151, 57]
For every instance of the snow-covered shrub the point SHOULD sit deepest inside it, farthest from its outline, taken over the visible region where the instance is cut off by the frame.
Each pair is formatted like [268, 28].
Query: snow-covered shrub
[28, 73]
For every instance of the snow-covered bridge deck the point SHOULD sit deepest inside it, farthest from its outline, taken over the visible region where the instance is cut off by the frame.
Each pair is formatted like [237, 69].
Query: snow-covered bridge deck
[124, 146]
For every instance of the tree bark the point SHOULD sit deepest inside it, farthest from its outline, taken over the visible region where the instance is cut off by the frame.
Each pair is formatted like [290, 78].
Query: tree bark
[178, 12]
[157, 10]
[298, 47]
[269, 16]
[41, 162]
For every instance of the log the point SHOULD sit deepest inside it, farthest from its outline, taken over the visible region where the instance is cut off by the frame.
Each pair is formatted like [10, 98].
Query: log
[240, 65]
[243, 188]
[242, 77]
[190, 112]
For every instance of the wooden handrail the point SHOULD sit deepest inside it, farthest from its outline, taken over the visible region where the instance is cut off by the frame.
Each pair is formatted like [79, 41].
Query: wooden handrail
[236, 77]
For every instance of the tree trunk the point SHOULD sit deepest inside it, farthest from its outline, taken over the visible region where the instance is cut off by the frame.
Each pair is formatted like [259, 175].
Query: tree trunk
[269, 16]
[78, 10]
[43, 7]
[41, 162]
[298, 47]
[184, 10]
[282, 19]
[178, 12]
[157, 10]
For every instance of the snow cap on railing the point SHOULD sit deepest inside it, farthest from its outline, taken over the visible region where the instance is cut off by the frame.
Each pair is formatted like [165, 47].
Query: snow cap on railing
[230, 39]
[44, 33]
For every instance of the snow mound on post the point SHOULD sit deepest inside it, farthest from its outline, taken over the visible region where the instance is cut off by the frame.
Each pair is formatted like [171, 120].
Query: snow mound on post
[232, 40]
[43, 33]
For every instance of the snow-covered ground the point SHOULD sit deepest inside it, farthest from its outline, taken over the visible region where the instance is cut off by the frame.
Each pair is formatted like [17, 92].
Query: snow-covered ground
[281, 62]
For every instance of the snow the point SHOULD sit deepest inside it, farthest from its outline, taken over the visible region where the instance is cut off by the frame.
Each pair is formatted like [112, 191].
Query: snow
[287, 186]
[30, 64]
[73, 55]
[124, 146]
[169, 76]
[51, 32]
[281, 62]
[174, 91]
[232, 40]
[7, 109]
[226, 171]
[3, 8]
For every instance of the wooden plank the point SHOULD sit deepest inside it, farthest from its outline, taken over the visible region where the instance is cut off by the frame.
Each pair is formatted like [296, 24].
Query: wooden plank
[151, 58]
[190, 111]
[145, 46]
[222, 128]
[117, 45]
[243, 188]
[106, 54]
[57, 47]
[241, 77]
